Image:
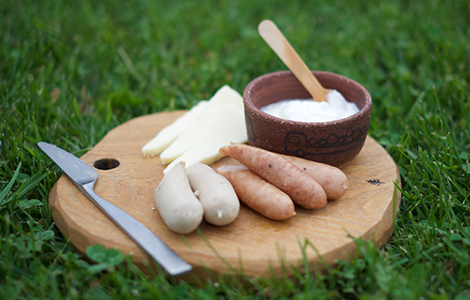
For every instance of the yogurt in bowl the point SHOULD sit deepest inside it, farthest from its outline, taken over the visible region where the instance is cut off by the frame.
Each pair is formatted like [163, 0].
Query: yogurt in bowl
[306, 110]
[333, 142]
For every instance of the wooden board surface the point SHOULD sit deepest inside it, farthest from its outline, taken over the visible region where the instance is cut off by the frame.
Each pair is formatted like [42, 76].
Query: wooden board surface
[251, 243]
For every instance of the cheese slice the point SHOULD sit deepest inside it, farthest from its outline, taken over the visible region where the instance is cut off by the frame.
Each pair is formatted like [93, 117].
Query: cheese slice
[171, 132]
[227, 126]
[225, 95]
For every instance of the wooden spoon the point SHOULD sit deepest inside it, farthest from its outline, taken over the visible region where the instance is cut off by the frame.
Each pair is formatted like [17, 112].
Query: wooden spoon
[276, 40]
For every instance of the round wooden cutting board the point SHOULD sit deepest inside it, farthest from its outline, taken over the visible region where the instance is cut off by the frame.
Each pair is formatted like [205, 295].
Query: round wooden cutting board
[252, 244]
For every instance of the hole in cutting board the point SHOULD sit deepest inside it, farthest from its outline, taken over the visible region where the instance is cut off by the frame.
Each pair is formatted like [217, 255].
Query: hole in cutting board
[106, 164]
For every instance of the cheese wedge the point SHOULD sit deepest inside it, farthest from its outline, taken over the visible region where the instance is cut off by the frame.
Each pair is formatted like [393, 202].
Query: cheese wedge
[227, 126]
[225, 95]
[171, 132]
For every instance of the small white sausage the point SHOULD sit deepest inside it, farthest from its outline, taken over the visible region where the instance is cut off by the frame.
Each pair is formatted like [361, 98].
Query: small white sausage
[181, 211]
[220, 202]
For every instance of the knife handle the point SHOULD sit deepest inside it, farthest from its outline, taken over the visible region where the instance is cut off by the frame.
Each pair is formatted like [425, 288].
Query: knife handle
[154, 246]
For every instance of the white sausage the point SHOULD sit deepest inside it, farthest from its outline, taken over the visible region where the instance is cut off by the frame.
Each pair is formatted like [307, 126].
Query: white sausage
[178, 206]
[220, 202]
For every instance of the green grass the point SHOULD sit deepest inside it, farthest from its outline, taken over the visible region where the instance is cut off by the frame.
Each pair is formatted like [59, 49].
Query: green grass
[70, 71]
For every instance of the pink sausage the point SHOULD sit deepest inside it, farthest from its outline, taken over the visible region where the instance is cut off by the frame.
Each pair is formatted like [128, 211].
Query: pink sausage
[332, 179]
[258, 194]
[302, 189]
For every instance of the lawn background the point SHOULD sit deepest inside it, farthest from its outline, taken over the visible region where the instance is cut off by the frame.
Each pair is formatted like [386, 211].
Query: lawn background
[70, 71]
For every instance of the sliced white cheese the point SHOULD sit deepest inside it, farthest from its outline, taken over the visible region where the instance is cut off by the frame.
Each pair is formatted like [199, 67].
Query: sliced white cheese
[171, 132]
[227, 126]
[225, 95]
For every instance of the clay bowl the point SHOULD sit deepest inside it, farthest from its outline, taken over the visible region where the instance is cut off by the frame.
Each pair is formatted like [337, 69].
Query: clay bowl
[334, 142]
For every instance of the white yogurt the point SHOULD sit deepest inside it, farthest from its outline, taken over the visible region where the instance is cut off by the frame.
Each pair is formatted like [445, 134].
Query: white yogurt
[307, 110]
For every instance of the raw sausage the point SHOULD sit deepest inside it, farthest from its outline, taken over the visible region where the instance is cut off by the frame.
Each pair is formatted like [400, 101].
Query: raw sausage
[220, 202]
[181, 211]
[332, 179]
[258, 194]
[302, 189]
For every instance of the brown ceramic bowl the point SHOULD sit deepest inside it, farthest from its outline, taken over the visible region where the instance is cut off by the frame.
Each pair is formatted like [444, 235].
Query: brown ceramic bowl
[334, 142]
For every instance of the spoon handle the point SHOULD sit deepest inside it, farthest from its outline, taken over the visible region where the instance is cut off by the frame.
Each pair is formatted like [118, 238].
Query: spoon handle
[276, 40]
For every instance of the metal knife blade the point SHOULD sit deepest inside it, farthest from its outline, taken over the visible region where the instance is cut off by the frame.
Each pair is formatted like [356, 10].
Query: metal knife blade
[85, 177]
[76, 169]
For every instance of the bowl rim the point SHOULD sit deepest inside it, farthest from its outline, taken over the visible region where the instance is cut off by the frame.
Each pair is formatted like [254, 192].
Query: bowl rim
[363, 112]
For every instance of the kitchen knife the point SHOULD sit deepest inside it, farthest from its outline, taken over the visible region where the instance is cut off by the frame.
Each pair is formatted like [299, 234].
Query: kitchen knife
[85, 177]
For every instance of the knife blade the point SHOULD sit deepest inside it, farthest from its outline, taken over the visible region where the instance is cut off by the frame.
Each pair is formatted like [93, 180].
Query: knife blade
[84, 177]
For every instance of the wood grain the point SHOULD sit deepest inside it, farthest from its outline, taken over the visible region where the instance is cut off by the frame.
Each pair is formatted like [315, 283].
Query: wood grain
[251, 244]
[279, 44]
